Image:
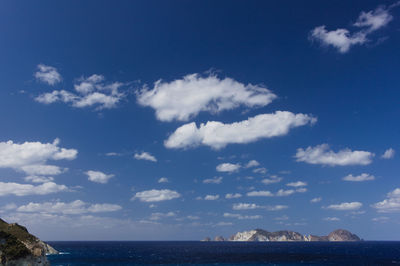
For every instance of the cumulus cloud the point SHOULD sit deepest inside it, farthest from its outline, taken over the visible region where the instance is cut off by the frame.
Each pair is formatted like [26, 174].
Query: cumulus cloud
[145, 156]
[163, 180]
[245, 206]
[283, 192]
[211, 197]
[342, 39]
[155, 195]
[321, 154]
[10, 188]
[184, 98]
[390, 204]
[345, 206]
[252, 163]
[233, 196]
[38, 179]
[47, 74]
[214, 180]
[98, 177]
[276, 207]
[388, 154]
[262, 193]
[217, 134]
[32, 157]
[297, 184]
[228, 167]
[74, 207]
[359, 178]
[242, 217]
[89, 92]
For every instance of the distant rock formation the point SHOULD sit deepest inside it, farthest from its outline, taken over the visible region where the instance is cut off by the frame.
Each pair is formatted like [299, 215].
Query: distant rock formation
[18, 247]
[260, 235]
[219, 238]
[207, 239]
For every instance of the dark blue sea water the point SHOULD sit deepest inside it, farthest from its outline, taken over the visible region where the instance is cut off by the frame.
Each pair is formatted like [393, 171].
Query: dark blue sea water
[226, 253]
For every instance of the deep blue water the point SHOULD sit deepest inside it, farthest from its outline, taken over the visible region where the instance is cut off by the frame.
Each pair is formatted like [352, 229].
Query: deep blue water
[226, 253]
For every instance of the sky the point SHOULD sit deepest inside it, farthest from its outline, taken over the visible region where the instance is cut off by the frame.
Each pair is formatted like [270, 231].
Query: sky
[178, 120]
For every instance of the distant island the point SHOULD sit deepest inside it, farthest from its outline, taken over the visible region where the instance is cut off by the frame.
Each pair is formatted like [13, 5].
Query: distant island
[260, 235]
[19, 247]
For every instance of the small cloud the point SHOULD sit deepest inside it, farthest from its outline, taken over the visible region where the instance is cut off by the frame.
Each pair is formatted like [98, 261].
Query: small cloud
[261, 170]
[145, 156]
[315, 200]
[345, 206]
[47, 74]
[113, 154]
[321, 154]
[214, 180]
[271, 180]
[262, 193]
[381, 219]
[155, 195]
[252, 163]
[98, 177]
[233, 196]
[359, 178]
[228, 167]
[388, 154]
[331, 219]
[297, 184]
[163, 180]
[211, 197]
[242, 217]
[245, 206]
[390, 204]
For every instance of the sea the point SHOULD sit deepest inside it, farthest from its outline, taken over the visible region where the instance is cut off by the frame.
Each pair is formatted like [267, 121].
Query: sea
[225, 253]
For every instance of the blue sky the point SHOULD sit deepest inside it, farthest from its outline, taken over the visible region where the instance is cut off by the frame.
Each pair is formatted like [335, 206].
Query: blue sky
[177, 120]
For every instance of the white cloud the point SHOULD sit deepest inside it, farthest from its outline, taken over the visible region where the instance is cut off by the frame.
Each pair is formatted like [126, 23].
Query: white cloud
[17, 189]
[74, 207]
[145, 156]
[381, 219]
[245, 206]
[390, 204]
[228, 167]
[388, 154]
[163, 180]
[223, 224]
[31, 157]
[47, 74]
[345, 206]
[359, 178]
[214, 180]
[242, 217]
[233, 196]
[315, 200]
[38, 179]
[297, 184]
[217, 135]
[331, 219]
[284, 193]
[252, 163]
[183, 99]
[91, 91]
[262, 193]
[211, 197]
[343, 40]
[261, 170]
[159, 215]
[155, 195]
[98, 177]
[271, 180]
[321, 154]
[301, 190]
[276, 208]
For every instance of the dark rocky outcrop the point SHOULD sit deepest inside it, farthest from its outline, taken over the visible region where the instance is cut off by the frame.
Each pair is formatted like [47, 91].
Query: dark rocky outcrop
[19, 247]
[219, 238]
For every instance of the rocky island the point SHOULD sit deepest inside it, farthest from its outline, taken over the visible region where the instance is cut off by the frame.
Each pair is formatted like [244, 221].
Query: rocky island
[19, 247]
[260, 235]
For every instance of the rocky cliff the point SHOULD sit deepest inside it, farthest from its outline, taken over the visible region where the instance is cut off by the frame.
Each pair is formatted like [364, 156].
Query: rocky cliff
[19, 247]
[259, 235]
